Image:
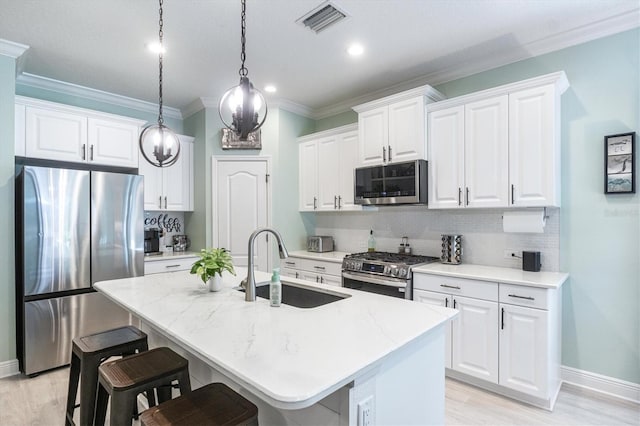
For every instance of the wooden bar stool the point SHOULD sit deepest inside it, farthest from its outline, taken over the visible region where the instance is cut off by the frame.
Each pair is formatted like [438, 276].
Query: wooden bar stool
[125, 378]
[214, 404]
[88, 352]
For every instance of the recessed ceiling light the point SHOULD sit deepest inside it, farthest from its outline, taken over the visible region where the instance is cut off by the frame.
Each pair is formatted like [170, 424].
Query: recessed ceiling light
[270, 88]
[155, 47]
[355, 49]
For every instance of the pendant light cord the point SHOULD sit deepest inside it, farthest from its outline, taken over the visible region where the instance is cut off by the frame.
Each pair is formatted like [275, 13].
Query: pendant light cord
[160, 33]
[243, 39]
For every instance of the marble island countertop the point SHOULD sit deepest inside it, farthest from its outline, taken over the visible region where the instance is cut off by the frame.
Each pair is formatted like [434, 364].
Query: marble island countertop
[290, 357]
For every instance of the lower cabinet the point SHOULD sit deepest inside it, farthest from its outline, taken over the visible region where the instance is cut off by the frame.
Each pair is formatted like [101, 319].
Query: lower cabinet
[317, 271]
[168, 265]
[506, 335]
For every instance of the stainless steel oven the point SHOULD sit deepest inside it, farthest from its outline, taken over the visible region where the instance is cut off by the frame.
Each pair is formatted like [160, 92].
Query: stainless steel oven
[383, 273]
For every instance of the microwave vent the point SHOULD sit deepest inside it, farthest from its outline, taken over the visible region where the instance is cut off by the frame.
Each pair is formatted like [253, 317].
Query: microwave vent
[322, 17]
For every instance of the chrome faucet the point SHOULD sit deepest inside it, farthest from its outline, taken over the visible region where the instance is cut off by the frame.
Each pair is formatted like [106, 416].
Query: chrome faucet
[249, 283]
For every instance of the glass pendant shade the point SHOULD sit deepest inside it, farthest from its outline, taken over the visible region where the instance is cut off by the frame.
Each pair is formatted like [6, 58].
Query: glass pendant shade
[159, 145]
[243, 109]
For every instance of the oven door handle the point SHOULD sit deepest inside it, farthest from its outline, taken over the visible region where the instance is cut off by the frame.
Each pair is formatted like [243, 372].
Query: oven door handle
[374, 280]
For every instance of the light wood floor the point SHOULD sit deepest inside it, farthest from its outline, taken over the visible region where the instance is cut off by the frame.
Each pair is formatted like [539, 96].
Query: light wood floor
[42, 400]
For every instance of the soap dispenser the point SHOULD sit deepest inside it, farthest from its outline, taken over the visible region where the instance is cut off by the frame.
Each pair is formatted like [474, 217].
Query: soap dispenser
[275, 288]
[371, 244]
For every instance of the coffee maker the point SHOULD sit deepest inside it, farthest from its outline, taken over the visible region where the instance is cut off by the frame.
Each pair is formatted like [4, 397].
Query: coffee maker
[152, 241]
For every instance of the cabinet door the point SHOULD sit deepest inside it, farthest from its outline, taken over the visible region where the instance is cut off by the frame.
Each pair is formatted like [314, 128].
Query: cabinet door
[331, 280]
[152, 184]
[328, 169]
[55, 135]
[486, 153]
[19, 136]
[113, 142]
[176, 181]
[348, 158]
[309, 276]
[288, 272]
[437, 299]
[373, 127]
[407, 130]
[534, 148]
[475, 338]
[523, 349]
[308, 175]
[446, 158]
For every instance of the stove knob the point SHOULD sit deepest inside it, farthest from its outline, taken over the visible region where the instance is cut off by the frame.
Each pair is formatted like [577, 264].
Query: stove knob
[402, 272]
[358, 266]
[387, 270]
[394, 272]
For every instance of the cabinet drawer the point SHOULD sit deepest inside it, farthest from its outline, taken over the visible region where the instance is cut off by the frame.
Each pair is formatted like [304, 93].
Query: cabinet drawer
[317, 266]
[168, 265]
[456, 286]
[533, 297]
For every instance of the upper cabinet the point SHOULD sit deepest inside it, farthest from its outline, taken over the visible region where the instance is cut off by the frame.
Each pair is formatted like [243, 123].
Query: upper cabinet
[392, 129]
[59, 132]
[329, 158]
[497, 148]
[170, 188]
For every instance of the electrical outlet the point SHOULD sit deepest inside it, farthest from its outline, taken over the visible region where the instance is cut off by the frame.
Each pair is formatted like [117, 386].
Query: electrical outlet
[365, 412]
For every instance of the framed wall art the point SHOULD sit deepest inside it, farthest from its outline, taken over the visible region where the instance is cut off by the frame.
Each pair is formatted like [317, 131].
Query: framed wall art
[230, 140]
[619, 164]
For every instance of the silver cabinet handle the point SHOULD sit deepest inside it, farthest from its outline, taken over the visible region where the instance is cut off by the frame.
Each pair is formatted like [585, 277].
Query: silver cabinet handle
[91, 153]
[467, 188]
[522, 297]
[322, 268]
[321, 280]
[160, 201]
[290, 263]
[315, 203]
[335, 202]
[317, 277]
[450, 286]
[384, 154]
[171, 266]
[446, 302]
[459, 196]
[339, 201]
[389, 153]
[513, 188]
[502, 320]
[84, 151]
[165, 201]
[296, 274]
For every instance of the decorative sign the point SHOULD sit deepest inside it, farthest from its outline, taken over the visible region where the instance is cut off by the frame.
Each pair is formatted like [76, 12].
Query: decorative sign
[230, 140]
[619, 164]
[163, 221]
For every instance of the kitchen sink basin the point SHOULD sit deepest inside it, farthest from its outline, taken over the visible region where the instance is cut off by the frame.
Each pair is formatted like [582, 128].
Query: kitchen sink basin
[300, 297]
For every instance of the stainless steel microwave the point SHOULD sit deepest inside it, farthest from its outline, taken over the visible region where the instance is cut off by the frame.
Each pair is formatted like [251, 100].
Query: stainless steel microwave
[397, 183]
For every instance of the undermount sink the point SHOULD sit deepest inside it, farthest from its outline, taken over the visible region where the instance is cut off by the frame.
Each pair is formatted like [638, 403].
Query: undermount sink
[300, 297]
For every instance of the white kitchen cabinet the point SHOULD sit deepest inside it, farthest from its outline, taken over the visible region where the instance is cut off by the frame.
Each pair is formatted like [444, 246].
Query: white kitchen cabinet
[161, 265]
[317, 271]
[438, 299]
[327, 160]
[63, 133]
[19, 129]
[497, 148]
[170, 188]
[392, 129]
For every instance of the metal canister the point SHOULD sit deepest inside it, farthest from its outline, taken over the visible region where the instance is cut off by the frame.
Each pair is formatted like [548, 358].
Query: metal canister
[451, 249]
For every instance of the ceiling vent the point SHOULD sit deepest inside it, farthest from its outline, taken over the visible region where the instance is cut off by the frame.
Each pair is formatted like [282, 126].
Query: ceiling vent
[322, 17]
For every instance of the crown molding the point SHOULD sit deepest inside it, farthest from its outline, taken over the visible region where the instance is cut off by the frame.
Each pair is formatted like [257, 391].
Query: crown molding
[63, 87]
[293, 107]
[12, 49]
[192, 108]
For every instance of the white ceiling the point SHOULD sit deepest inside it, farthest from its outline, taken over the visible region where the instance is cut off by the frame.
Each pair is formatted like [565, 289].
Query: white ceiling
[101, 44]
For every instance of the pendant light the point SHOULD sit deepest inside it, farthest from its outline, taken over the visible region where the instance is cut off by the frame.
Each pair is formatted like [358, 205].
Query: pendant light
[243, 108]
[159, 144]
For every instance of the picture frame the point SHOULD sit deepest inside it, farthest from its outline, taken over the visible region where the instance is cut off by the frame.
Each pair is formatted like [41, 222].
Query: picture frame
[230, 140]
[619, 163]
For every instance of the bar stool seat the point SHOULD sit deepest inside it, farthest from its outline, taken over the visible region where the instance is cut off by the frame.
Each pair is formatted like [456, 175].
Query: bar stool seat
[125, 378]
[213, 404]
[88, 352]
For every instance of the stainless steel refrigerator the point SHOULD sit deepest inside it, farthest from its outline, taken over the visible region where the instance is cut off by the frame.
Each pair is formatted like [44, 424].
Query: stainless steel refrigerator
[74, 228]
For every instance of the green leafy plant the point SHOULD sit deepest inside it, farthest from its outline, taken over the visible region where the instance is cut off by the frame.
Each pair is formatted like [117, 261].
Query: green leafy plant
[212, 261]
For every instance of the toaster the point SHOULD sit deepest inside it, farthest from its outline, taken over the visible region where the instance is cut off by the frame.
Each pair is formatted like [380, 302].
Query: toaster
[319, 243]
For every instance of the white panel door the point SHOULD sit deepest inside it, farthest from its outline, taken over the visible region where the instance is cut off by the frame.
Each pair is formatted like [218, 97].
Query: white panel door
[486, 153]
[446, 158]
[241, 207]
[113, 142]
[523, 349]
[475, 338]
[406, 130]
[308, 175]
[373, 127]
[55, 135]
[437, 299]
[533, 148]
[328, 173]
[348, 158]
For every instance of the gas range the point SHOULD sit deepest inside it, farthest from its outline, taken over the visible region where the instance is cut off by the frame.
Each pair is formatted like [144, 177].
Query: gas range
[385, 264]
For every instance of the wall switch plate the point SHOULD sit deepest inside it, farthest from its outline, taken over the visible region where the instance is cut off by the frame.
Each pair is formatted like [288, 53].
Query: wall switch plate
[365, 412]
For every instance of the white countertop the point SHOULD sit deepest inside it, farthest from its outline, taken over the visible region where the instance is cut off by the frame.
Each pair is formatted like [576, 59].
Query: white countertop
[170, 255]
[496, 274]
[328, 256]
[288, 356]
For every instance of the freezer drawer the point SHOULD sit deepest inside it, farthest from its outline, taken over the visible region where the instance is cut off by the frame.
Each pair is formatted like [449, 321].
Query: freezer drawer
[51, 324]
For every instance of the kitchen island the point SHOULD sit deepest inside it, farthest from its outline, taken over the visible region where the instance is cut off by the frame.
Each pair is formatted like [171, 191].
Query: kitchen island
[363, 355]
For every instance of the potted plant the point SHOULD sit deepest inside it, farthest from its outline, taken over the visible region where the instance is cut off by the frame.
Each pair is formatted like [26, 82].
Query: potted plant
[210, 266]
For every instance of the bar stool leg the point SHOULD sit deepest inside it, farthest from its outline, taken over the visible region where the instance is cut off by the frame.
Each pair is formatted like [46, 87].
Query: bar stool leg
[121, 408]
[88, 375]
[101, 406]
[74, 377]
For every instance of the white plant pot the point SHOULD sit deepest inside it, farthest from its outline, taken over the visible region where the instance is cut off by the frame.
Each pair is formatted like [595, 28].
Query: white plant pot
[215, 283]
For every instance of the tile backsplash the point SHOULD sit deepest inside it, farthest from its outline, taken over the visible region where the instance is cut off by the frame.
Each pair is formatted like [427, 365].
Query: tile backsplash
[484, 241]
[171, 223]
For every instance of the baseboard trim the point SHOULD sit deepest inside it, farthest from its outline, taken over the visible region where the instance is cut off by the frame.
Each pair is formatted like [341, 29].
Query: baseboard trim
[9, 368]
[600, 383]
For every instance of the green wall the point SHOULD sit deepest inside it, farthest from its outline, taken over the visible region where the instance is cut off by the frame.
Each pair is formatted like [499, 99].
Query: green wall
[7, 172]
[347, 117]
